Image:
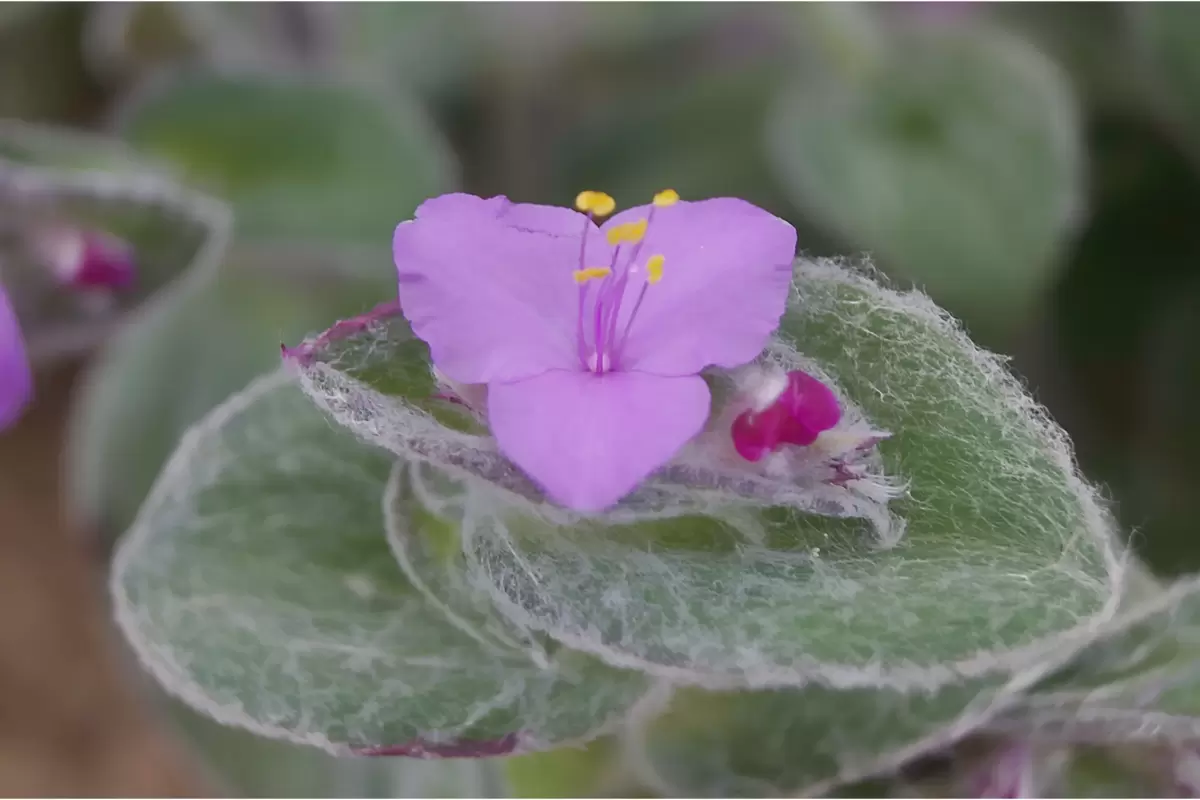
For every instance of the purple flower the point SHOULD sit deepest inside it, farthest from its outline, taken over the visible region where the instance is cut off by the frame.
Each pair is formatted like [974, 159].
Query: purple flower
[16, 381]
[590, 340]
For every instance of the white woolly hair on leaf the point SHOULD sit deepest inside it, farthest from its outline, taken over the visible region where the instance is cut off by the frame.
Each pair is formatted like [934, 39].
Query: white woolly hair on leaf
[1137, 698]
[1134, 657]
[539, 563]
[257, 586]
[461, 606]
[161, 661]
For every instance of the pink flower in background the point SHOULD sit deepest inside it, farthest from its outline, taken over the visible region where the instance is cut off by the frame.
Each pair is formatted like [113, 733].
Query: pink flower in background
[16, 381]
[590, 339]
[85, 259]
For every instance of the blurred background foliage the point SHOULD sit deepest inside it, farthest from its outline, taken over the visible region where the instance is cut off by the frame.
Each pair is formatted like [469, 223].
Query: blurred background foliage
[1034, 167]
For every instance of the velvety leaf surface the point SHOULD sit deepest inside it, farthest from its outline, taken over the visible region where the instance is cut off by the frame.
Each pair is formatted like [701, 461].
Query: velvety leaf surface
[257, 586]
[1138, 679]
[1006, 557]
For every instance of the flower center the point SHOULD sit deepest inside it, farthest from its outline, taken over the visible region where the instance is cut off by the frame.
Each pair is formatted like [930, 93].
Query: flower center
[599, 335]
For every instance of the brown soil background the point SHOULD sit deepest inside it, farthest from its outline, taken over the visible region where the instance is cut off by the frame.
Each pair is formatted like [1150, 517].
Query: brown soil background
[72, 719]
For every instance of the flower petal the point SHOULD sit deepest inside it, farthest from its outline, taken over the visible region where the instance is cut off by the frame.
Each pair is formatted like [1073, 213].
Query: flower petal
[488, 284]
[16, 380]
[725, 283]
[587, 439]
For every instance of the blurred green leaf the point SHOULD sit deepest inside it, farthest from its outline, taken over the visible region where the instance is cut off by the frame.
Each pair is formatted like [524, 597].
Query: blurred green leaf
[186, 353]
[1166, 454]
[703, 139]
[300, 160]
[257, 585]
[1166, 38]
[1139, 248]
[42, 73]
[956, 160]
[271, 36]
[123, 40]
[424, 46]
[1094, 48]
[35, 145]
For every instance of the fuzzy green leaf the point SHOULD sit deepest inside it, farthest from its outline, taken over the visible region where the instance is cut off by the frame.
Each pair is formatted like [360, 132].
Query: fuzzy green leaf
[1007, 556]
[257, 586]
[1137, 680]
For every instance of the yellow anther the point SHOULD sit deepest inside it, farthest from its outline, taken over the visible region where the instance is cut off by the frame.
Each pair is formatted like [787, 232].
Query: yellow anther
[667, 197]
[598, 203]
[654, 268]
[591, 274]
[629, 232]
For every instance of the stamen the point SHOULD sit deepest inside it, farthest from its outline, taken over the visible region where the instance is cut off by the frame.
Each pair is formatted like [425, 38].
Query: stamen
[667, 197]
[607, 305]
[629, 232]
[580, 343]
[591, 274]
[596, 203]
[599, 329]
[604, 352]
[618, 292]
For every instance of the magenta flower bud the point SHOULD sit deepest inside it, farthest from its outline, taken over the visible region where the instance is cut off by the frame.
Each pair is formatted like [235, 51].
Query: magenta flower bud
[16, 379]
[85, 259]
[789, 408]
